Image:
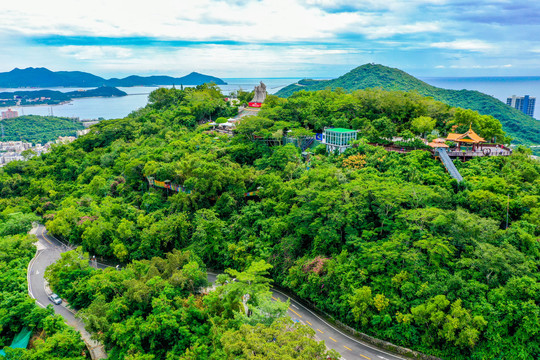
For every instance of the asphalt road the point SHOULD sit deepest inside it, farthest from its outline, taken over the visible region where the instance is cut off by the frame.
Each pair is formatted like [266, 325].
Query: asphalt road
[346, 345]
[349, 347]
[49, 250]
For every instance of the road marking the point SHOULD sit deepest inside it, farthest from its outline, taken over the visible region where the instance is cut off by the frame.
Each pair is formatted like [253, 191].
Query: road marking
[347, 348]
[309, 323]
[365, 357]
[43, 236]
[382, 357]
[294, 306]
[320, 331]
[37, 272]
[392, 356]
[297, 314]
[345, 335]
[274, 298]
[334, 340]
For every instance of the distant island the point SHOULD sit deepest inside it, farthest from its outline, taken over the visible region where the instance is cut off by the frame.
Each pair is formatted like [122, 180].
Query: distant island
[42, 77]
[54, 97]
[522, 128]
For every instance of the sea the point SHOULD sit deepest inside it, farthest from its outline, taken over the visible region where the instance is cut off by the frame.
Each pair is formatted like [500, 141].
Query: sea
[113, 108]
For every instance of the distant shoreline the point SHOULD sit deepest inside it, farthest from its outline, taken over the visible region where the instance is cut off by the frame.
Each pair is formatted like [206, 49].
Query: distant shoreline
[65, 102]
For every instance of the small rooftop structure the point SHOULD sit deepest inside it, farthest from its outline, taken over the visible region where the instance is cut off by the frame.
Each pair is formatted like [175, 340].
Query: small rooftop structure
[468, 138]
[338, 139]
[226, 128]
[438, 143]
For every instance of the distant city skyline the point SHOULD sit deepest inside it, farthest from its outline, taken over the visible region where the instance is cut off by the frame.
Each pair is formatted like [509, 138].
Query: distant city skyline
[272, 38]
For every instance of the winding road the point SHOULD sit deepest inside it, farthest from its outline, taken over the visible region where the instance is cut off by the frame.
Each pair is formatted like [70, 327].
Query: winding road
[50, 249]
[346, 345]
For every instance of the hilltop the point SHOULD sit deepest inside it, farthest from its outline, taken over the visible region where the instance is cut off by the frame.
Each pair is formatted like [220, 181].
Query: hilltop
[39, 129]
[385, 242]
[42, 77]
[522, 128]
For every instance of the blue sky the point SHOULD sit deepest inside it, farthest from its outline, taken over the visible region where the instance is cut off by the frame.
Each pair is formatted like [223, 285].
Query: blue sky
[272, 38]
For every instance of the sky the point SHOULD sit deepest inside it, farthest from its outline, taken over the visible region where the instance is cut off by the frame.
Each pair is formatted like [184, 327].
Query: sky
[272, 38]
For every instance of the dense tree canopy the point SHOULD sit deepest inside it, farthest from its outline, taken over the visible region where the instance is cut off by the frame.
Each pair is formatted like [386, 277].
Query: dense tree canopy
[39, 129]
[388, 243]
[158, 309]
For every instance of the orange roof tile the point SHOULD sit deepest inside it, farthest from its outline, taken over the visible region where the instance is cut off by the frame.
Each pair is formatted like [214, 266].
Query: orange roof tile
[453, 136]
[437, 145]
[472, 137]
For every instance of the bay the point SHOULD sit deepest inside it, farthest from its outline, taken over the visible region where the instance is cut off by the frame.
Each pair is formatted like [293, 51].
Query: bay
[119, 107]
[112, 108]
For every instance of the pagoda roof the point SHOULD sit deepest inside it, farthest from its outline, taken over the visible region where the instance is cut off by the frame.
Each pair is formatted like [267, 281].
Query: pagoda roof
[469, 137]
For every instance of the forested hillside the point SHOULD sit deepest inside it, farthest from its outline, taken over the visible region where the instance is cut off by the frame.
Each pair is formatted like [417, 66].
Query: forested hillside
[521, 128]
[388, 243]
[39, 129]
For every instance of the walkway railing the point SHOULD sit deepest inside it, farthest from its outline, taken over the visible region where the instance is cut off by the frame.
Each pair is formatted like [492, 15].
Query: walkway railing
[180, 188]
[470, 153]
[449, 164]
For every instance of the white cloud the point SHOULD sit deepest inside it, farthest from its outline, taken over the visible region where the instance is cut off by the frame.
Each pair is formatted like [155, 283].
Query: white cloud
[469, 45]
[265, 20]
[203, 20]
[332, 33]
[244, 61]
[96, 52]
[391, 30]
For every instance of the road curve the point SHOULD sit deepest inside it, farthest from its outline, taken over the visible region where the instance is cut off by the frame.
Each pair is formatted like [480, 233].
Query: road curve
[49, 250]
[349, 347]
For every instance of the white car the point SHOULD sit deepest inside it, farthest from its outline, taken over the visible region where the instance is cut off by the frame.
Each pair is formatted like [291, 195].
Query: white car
[55, 299]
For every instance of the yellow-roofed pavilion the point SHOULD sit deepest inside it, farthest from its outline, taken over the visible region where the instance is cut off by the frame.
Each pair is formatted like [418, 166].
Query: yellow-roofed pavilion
[469, 138]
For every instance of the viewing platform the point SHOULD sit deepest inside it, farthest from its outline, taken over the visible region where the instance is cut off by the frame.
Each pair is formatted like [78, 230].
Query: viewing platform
[485, 150]
[468, 145]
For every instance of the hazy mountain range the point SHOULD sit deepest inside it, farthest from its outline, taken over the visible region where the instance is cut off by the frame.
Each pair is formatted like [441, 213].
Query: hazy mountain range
[42, 77]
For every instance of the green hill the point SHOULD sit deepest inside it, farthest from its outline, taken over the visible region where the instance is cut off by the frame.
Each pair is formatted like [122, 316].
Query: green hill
[39, 129]
[522, 128]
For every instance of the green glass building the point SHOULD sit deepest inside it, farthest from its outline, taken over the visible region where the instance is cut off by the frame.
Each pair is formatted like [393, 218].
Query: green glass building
[338, 139]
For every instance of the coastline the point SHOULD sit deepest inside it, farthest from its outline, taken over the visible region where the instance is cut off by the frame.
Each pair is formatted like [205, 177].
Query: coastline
[63, 102]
